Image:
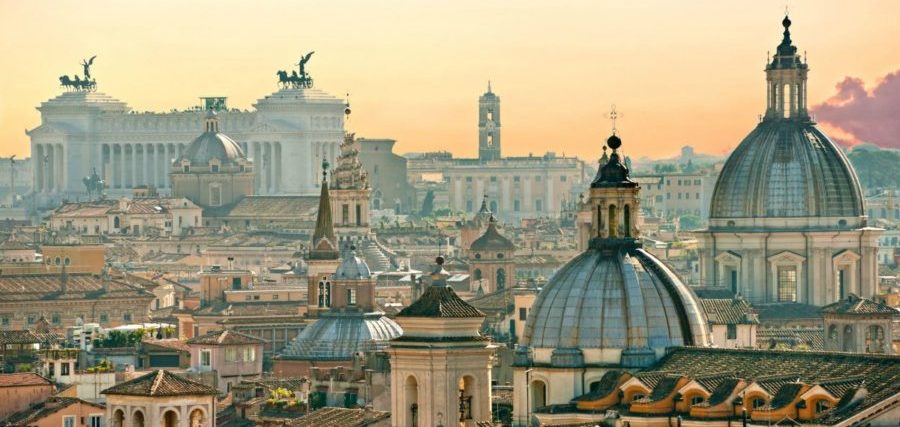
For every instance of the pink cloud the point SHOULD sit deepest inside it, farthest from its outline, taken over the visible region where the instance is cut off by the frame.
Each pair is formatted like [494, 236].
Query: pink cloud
[863, 116]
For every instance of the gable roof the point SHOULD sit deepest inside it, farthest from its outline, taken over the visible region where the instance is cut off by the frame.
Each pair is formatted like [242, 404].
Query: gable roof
[731, 311]
[225, 337]
[158, 384]
[41, 410]
[856, 305]
[23, 379]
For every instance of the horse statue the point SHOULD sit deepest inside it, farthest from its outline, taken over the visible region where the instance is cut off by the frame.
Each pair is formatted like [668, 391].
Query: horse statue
[293, 80]
[77, 83]
[283, 78]
[93, 184]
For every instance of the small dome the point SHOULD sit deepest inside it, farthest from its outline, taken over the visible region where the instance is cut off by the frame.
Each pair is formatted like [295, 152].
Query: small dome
[353, 268]
[338, 336]
[213, 144]
[627, 305]
[492, 240]
[786, 168]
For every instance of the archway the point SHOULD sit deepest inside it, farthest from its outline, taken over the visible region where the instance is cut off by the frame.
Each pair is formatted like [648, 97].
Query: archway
[411, 392]
[137, 419]
[197, 418]
[118, 419]
[613, 221]
[538, 394]
[170, 419]
[466, 395]
[848, 338]
[626, 212]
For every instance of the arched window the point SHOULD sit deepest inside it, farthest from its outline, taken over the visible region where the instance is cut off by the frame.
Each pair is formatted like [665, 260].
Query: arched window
[757, 402]
[494, 206]
[466, 393]
[501, 279]
[626, 211]
[137, 419]
[116, 222]
[538, 394]
[832, 333]
[822, 406]
[324, 293]
[875, 339]
[613, 221]
[696, 400]
[411, 393]
[118, 419]
[170, 419]
[197, 419]
[477, 274]
[848, 338]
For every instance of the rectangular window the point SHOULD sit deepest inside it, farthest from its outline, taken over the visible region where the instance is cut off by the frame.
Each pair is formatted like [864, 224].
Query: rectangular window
[235, 283]
[517, 206]
[787, 284]
[4, 321]
[275, 296]
[231, 354]
[539, 205]
[697, 196]
[493, 179]
[668, 196]
[468, 206]
[205, 358]
[679, 196]
[696, 182]
[345, 214]
[351, 296]
[54, 318]
[104, 317]
[468, 179]
[94, 420]
[562, 178]
[31, 319]
[537, 179]
[64, 369]
[126, 317]
[516, 179]
[523, 313]
[69, 421]
[732, 332]
[249, 354]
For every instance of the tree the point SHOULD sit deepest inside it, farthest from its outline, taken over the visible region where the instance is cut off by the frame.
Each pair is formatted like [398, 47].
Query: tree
[876, 168]
[664, 168]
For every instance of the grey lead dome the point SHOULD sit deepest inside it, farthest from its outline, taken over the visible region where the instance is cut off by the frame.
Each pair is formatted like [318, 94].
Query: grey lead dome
[787, 168]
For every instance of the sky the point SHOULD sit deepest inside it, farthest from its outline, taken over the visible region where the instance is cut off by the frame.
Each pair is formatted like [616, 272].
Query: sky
[680, 73]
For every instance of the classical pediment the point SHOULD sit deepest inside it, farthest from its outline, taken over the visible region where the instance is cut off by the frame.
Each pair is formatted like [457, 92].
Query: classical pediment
[787, 256]
[846, 255]
[728, 257]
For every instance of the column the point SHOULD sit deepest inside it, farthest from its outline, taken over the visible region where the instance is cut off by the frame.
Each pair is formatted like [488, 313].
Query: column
[551, 207]
[38, 166]
[311, 173]
[144, 165]
[48, 169]
[134, 166]
[278, 167]
[258, 166]
[63, 169]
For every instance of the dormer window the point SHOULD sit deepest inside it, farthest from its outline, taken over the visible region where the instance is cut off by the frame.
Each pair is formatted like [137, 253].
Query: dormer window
[214, 168]
[186, 169]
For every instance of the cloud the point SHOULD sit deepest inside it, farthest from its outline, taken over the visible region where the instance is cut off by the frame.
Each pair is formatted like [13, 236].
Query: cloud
[862, 116]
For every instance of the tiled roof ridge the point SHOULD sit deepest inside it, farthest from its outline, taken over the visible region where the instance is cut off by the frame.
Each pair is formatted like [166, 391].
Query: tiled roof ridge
[160, 375]
[785, 352]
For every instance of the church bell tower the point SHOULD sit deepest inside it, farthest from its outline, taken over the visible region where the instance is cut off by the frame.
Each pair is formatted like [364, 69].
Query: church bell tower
[489, 126]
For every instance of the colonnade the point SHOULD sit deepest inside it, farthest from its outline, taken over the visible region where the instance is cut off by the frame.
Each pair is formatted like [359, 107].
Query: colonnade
[49, 168]
[125, 166]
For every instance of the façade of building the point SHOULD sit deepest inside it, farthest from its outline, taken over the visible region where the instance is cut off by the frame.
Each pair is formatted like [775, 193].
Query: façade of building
[613, 306]
[518, 187]
[787, 218]
[287, 135]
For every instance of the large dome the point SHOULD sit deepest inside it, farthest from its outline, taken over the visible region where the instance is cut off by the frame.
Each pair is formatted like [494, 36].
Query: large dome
[786, 168]
[616, 306]
[338, 336]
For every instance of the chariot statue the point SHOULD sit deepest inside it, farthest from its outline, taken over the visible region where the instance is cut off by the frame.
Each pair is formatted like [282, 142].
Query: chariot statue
[299, 78]
[87, 84]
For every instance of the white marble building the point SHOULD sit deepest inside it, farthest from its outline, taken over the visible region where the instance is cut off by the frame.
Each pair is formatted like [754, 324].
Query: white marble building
[286, 135]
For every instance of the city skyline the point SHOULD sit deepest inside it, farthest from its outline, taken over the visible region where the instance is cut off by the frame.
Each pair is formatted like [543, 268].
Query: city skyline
[414, 71]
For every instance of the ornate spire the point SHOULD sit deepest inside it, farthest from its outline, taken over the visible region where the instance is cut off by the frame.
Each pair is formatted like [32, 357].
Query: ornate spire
[349, 173]
[323, 237]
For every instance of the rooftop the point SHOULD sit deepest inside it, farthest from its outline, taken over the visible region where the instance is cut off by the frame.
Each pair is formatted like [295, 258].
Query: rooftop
[225, 337]
[160, 384]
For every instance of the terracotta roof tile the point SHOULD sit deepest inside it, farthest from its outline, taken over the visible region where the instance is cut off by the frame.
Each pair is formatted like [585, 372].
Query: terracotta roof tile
[856, 305]
[731, 311]
[340, 417]
[23, 379]
[440, 301]
[225, 337]
[160, 383]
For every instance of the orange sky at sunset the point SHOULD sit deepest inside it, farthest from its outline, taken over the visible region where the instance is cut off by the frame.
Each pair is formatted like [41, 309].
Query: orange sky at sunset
[680, 72]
